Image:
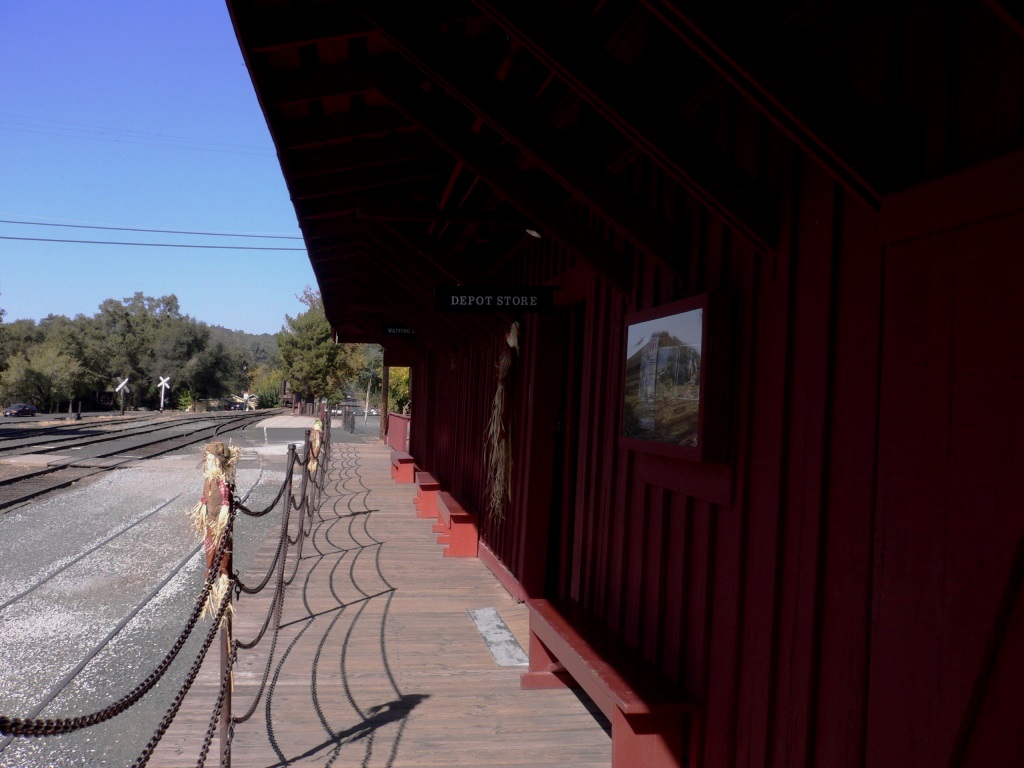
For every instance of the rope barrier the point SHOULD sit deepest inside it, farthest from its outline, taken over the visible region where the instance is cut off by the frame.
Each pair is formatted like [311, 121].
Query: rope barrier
[314, 461]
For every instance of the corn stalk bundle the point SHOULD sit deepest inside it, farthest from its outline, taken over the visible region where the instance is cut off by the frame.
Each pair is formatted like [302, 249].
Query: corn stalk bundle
[210, 520]
[315, 441]
[498, 438]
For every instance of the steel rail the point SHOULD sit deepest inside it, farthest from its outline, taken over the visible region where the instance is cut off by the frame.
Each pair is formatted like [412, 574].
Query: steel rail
[68, 678]
[41, 441]
[64, 474]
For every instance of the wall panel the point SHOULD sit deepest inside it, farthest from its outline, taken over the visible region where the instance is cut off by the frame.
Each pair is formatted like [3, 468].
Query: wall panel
[782, 586]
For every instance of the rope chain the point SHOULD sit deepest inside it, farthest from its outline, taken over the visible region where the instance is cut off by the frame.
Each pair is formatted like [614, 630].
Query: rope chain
[310, 494]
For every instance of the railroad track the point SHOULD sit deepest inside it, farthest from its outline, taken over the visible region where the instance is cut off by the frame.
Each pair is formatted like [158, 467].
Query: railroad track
[129, 445]
[142, 613]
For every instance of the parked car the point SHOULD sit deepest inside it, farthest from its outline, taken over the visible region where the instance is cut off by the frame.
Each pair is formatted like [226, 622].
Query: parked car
[20, 409]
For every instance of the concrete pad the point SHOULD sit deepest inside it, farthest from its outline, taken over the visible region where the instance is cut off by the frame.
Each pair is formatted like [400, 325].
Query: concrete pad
[36, 459]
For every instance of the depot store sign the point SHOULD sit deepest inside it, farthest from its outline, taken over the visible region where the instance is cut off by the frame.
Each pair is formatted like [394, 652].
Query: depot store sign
[492, 298]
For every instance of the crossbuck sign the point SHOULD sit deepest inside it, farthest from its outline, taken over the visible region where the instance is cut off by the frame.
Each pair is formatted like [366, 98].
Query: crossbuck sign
[164, 386]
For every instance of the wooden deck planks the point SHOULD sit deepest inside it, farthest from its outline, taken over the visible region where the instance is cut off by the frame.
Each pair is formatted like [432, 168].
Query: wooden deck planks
[379, 663]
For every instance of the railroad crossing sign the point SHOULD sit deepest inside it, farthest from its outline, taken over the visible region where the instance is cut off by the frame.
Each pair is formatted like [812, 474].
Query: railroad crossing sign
[164, 386]
[121, 389]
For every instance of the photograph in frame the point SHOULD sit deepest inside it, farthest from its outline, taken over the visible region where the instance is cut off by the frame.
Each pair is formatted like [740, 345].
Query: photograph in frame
[662, 394]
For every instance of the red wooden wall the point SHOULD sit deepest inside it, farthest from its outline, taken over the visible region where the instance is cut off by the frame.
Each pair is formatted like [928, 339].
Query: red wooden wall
[844, 588]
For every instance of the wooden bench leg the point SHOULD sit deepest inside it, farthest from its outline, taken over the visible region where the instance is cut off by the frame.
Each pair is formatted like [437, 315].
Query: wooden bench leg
[426, 506]
[463, 537]
[647, 741]
[545, 670]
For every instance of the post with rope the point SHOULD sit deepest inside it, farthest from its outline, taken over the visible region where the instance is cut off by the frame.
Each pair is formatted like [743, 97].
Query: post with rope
[211, 519]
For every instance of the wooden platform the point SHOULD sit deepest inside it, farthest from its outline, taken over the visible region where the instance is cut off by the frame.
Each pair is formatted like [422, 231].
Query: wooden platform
[380, 663]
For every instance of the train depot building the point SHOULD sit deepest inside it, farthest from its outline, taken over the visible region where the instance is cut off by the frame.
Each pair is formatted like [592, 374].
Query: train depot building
[713, 313]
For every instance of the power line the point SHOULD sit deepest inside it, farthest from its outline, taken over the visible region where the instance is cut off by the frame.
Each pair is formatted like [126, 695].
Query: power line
[50, 127]
[151, 245]
[152, 231]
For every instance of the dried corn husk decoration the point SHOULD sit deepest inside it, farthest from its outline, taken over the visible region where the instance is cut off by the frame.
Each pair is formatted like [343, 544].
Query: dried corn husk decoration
[220, 588]
[212, 514]
[498, 440]
[316, 439]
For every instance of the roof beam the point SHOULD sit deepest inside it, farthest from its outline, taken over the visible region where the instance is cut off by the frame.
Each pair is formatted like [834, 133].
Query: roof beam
[598, 80]
[342, 183]
[397, 297]
[311, 132]
[511, 116]
[388, 236]
[298, 163]
[298, 85]
[480, 157]
[823, 116]
[433, 214]
[264, 28]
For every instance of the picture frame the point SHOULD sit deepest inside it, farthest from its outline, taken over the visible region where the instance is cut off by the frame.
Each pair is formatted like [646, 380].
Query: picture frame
[672, 393]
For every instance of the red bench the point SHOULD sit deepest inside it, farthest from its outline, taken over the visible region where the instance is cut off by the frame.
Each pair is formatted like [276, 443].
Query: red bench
[456, 528]
[426, 497]
[653, 724]
[403, 466]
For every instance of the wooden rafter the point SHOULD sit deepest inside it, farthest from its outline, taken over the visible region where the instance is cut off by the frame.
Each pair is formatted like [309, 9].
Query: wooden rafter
[389, 150]
[354, 181]
[829, 121]
[513, 118]
[591, 73]
[434, 214]
[458, 140]
[310, 132]
[268, 29]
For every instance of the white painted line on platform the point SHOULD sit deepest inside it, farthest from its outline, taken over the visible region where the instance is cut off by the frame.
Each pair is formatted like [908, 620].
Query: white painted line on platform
[502, 644]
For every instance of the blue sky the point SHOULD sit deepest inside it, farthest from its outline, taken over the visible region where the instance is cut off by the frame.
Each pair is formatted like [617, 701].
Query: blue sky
[139, 115]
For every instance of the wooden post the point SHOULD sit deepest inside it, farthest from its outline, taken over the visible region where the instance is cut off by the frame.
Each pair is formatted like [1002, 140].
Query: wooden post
[385, 383]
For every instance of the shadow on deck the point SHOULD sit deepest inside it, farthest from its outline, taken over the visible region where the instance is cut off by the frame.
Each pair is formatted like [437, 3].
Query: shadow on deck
[378, 662]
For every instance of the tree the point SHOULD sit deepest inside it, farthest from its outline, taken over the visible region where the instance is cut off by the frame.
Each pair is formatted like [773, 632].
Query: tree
[312, 363]
[398, 389]
[266, 385]
[369, 359]
[178, 341]
[209, 373]
[46, 376]
[19, 336]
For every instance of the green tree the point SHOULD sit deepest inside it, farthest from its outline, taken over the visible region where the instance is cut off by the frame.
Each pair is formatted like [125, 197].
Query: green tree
[210, 373]
[177, 342]
[312, 363]
[369, 362]
[398, 389]
[120, 344]
[266, 385]
[19, 336]
[19, 382]
[46, 376]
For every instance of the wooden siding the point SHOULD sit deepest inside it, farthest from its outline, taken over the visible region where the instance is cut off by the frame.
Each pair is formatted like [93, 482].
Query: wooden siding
[844, 588]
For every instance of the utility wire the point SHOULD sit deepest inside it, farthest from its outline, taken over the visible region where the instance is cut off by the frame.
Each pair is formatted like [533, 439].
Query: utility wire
[49, 127]
[152, 245]
[157, 231]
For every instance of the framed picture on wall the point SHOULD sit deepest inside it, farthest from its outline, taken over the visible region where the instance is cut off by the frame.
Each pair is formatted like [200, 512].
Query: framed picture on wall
[666, 399]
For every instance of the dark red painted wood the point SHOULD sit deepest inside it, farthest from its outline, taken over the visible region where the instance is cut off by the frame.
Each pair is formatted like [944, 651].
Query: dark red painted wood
[838, 589]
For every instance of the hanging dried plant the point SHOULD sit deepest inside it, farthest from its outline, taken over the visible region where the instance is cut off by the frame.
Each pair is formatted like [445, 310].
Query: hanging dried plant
[498, 439]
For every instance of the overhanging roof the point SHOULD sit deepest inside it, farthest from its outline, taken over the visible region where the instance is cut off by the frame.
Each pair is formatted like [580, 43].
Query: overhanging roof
[420, 141]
